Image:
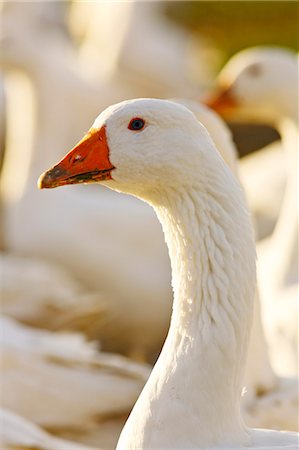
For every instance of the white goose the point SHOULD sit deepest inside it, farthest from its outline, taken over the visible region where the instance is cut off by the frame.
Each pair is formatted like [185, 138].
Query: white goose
[157, 151]
[63, 304]
[262, 84]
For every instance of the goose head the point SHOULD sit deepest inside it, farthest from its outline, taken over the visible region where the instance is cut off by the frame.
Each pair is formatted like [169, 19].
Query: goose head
[138, 147]
[257, 84]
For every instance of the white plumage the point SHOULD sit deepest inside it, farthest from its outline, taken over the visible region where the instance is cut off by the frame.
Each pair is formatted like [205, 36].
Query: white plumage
[61, 382]
[45, 295]
[18, 433]
[192, 398]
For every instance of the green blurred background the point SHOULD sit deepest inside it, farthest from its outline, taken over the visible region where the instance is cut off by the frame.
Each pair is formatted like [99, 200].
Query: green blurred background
[234, 25]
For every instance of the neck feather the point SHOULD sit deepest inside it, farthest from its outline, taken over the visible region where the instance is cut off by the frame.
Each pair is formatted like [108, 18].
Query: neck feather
[196, 383]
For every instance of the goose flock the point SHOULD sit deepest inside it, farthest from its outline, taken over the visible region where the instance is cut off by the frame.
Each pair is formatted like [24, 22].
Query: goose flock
[89, 290]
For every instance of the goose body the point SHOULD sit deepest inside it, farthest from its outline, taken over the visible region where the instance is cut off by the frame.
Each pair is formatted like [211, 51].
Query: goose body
[142, 264]
[262, 84]
[157, 151]
[59, 381]
[45, 295]
[18, 433]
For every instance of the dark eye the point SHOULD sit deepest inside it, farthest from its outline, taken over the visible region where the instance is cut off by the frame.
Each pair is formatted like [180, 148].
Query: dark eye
[136, 124]
[254, 70]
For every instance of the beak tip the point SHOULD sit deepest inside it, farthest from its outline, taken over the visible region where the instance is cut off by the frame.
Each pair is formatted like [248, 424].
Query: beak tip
[222, 102]
[44, 181]
[51, 178]
[40, 182]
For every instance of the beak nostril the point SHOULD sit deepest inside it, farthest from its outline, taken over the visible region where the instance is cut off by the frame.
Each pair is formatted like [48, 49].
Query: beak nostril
[57, 171]
[77, 158]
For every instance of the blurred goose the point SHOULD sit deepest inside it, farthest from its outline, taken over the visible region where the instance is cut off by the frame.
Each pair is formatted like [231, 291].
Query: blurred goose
[2, 118]
[264, 188]
[60, 382]
[45, 295]
[262, 84]
[18, 433]
[142, 264]
[157, 151]
[129, 42]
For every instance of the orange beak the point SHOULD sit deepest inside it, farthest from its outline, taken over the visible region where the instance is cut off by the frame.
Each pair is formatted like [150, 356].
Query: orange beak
[87, 162]
[222, 102]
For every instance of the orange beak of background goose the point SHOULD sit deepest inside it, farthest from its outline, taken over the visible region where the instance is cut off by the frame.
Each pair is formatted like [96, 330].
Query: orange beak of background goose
[87, 162]
[223, 102]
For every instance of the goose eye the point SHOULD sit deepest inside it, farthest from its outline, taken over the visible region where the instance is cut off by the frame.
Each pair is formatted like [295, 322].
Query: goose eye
[136, 124]
[254, 70]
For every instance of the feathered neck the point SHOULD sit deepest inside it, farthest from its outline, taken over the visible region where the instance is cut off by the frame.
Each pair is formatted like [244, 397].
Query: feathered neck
[192, 398]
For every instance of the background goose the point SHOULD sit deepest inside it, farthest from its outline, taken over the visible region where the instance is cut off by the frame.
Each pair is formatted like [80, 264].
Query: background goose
[146, 264]
[129, 42]
[139, 334]
[192, 398]
[2, 118]
[60, 382]
[44, 295]
[262, 84]
[18, 433]
[264, 188]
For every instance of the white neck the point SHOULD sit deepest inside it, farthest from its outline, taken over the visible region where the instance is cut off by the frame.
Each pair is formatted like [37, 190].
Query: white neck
[193, 395]
[284, 240]
[288, 101]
